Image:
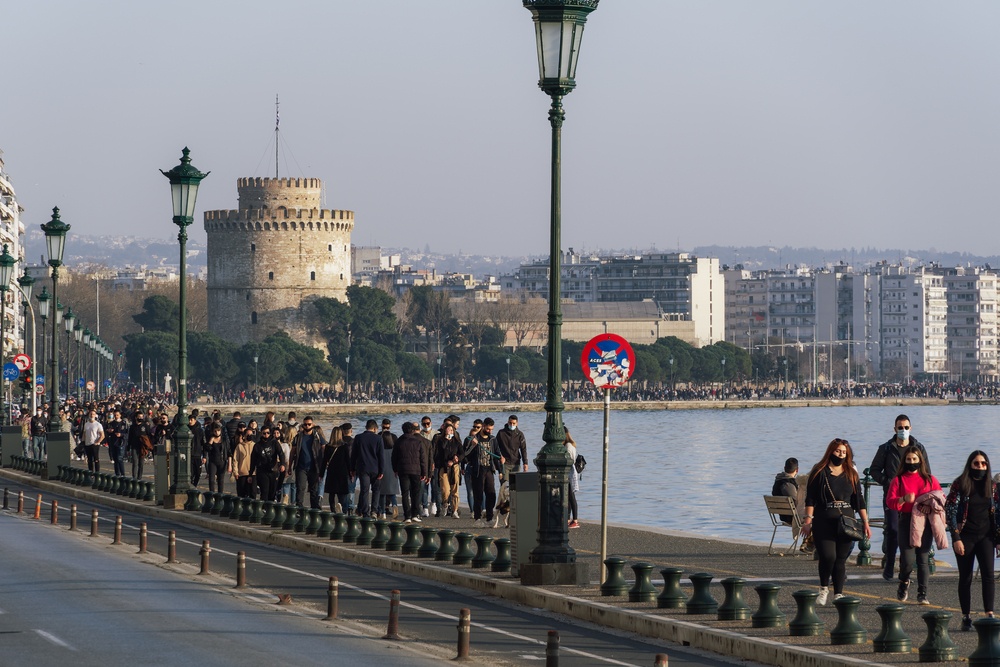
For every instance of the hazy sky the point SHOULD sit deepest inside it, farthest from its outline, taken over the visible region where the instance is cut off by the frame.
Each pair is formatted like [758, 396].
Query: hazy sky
[834, 124]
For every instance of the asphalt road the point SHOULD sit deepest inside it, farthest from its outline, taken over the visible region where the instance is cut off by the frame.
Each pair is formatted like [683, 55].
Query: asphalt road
[150, 611]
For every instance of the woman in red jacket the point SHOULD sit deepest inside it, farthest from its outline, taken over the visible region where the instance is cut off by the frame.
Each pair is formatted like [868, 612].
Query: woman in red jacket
[912, 480]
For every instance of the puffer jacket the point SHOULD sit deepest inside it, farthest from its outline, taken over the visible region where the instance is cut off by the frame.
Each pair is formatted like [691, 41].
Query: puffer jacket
[929, 508]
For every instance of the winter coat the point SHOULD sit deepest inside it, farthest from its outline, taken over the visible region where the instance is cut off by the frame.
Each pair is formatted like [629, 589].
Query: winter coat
[574, 476]
[263, 457]
[241, 458]
[513, 446]
[366, 454]
[216, 453]
[338, 470]
[929, 508]
[956, 510]
[885, 465]
[408, 456]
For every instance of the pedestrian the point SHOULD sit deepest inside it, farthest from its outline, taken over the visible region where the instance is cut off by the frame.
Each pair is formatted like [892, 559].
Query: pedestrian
[93, 436]
[239, 466]
[467, 446]
[140, 442]
[883, 469]
[39, 428]
[286, 479]
[513, 447]
[117, 432]
[574, 481]
[267, 461]
[307, 460]
[367, 467]
[338, 471]
[410, 466]
[912, 481]
[197, 447]
[446, 458]
[972, 511]
[482, 459]
[389, 486]
[833, 491]
[215, 456]
[427, 495]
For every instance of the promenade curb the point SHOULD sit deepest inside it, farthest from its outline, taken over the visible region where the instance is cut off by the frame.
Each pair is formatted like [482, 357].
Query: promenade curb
[686, 633]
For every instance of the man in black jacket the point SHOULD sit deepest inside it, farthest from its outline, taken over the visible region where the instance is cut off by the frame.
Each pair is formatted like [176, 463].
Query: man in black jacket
[785, 484]
[197, 447]
[513, 447]
[410, 466]
[483, 457]
[883, 470]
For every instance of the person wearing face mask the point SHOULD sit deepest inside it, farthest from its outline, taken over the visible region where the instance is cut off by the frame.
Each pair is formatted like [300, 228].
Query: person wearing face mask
[906, 490]
[447, 448]
[833, 490]
[972, 512]
[883, 470]
[513, 447]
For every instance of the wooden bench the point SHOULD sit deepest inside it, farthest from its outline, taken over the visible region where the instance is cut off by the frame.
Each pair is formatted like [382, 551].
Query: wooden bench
[780, 508]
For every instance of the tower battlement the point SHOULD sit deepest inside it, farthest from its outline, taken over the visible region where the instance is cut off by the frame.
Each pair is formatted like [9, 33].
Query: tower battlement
[274, 193]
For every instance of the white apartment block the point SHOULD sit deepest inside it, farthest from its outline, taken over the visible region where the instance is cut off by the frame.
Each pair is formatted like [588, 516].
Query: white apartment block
[11, 235]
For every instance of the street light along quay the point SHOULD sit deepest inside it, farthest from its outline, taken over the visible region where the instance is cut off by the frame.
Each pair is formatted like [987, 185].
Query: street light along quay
[184, 182]
[68, 321]
[558, 34]
[55, 241]
[26, 282]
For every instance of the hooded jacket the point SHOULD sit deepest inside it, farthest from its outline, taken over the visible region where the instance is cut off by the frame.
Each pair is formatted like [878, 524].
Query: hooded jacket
[929, 508]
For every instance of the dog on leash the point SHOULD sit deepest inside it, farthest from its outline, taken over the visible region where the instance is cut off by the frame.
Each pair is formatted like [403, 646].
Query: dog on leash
[503, 506]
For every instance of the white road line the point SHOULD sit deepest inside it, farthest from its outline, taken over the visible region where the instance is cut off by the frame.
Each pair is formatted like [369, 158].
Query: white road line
[55, 640]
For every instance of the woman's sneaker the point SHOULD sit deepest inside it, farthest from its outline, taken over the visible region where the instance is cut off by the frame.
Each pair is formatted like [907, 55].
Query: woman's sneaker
[922, 597]
[967, 624]
[903, 593]
[824, 593]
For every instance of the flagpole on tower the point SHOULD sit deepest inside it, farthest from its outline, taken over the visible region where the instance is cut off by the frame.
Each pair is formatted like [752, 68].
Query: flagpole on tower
[277, 120]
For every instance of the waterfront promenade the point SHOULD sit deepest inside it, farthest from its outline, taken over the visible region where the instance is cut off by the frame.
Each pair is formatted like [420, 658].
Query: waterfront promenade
[687, 551]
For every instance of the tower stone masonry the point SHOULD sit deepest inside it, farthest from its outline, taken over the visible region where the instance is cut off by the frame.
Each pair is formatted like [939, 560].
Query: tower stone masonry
[268, 260]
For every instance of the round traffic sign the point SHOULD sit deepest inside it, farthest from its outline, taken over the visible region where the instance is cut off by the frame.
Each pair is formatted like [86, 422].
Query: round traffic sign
[10, 371]
[40, 389]
[608, 360]
[22, 361]
[39, 380]
[90, 385]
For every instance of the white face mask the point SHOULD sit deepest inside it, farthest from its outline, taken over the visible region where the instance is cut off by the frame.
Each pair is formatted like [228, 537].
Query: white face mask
[448, 435]
[512, 427]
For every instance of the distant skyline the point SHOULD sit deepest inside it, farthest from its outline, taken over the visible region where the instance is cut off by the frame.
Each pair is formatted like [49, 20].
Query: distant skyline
[694, 123]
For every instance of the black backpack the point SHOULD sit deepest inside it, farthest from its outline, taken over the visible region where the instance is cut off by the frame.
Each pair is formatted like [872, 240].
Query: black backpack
[580, 464]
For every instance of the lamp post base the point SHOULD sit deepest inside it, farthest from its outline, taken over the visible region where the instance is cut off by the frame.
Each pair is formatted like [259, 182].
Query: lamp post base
[174, 501]
[554, 574]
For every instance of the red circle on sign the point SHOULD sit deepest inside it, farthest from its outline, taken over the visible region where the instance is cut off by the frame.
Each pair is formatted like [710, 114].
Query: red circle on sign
[22, 361]
[608, 361]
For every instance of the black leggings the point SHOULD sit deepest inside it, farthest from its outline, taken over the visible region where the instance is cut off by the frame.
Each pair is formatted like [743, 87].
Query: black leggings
[982, 551]
[573, 510]
[833, 554]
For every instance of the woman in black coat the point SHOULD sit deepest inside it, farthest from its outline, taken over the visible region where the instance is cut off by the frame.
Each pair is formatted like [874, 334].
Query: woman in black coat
[337, 459]
[215, 455]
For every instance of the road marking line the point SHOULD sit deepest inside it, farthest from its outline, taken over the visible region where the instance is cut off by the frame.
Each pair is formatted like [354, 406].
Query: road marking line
[55, 640]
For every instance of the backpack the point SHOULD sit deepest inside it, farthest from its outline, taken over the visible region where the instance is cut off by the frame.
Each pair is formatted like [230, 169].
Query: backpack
[580, 464]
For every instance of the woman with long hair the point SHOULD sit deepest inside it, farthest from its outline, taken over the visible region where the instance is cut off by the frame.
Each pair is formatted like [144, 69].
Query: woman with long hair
[574, 482]
[832, 491]
[973, 519]
[913, 479]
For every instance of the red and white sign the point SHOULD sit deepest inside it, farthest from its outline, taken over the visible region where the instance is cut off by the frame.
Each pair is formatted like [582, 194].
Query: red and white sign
[22, 361]
[608, 361]
[40, 389]
[90, 385]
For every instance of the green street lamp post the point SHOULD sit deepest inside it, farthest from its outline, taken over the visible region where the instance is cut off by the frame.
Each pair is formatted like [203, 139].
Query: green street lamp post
[69, 319]
[55, 241]
[86, 363]
[55, 328]
[26, 282]
[7, 263]
[78, 337]
[184, 181]
[558, 34]
[43, 312]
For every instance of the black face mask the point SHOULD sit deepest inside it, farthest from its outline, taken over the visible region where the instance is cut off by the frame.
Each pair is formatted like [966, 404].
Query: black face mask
[977, 474]
[911, 467]
[836, 460]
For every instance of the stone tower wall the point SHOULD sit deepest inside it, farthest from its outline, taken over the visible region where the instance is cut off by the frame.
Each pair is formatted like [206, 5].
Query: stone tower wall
[270, 258]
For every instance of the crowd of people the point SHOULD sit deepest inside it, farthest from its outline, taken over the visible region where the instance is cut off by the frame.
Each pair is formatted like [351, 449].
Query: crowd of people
[918, 515]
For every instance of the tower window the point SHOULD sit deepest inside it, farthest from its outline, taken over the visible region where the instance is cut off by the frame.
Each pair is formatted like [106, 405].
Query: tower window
[253, 247]
[270, 275]
[248, 296]
[312, 275]
[253, 317]
[330, 247]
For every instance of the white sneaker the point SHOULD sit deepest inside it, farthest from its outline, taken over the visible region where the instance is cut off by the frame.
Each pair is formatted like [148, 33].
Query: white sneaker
[837, 596]
[434, 509]
[824, 592]
[423, 512]
[408, 521]
[382, 515]
[417, 519]
[455, 515]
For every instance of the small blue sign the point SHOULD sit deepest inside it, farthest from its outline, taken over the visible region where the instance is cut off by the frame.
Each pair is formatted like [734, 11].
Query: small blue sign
[107, 383]
[10, 371]
[39, 379]
[81, 383]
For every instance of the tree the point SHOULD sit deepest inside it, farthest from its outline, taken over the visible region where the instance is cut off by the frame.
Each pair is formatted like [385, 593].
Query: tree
[154, 347]
[372, 317]
[520, 316]
[431, 310]
[475, 319]
[334, 320]
[159, 313]
[211, 359]
[413, 369]
[374, 363]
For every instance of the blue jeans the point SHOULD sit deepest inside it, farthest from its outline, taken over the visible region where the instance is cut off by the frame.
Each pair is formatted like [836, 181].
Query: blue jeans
[38, 446]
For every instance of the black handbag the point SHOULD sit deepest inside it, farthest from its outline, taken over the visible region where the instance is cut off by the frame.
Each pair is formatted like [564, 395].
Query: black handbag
[849, 528]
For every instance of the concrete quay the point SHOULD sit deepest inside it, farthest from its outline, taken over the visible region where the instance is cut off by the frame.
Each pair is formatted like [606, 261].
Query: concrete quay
[692, 553]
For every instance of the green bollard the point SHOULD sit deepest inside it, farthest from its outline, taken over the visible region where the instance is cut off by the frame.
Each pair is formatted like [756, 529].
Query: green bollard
[325, 525]
[806, 623]
[291, 517]
[246, 509]
[123, 485]
[267, 513]
[353, 529]
[701, 601]
[768, 614]
[397, 536]
[193, 503]
[150, 493]
[280, 515]
[301, 520]
[218, 502]
[256, 510]
[429, 546]
[133, 486]
[412, 543]
[103, 481]
[208, 504]
[987, 653]
[891, 638]
[672, 596]
[938, 647]
[95, 480]
[367, 533]
[312, 525]
[445, 550]
[502, 562]
[848, 629]
[615, 584]
[733, 608]
[463, 553]
[113, 487]
[642, 590]
[339, 526]
[228, 500]
[381, 534]
[484, 555]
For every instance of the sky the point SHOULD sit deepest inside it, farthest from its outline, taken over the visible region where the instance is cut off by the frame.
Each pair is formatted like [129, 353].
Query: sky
[694, 122]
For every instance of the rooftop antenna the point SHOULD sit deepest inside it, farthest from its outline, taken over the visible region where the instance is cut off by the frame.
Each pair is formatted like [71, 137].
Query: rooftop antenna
[277, 121]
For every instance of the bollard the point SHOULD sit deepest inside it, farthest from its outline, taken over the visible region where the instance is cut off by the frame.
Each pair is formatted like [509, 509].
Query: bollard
[325, 525]
[428, 547]
[397, 536]
[38, 507]
[172, 547]
[367, 533]
[246, 509]
[806, 623]
[891, 638]
[938, 647]
[768, 615]
[445, 550]
[93, 523]
[381, 537]
[20, 502]
[280, 514]
[193, 503]
[205, 551]
[54, 515]
[392, 632]
[552, 650]
[208, 503]
[291, 517]
[484, 556]
[241, 569]
[267, 513]
[143, 537]
[339, 526]
[464, 553]
[502, 562]
[217, 503]
[660, 660]
[312, 525]
[701, 601]
[464, 634]
[303, 520]
[228, 501]
[115, 485]
[118, 530]
[848, 629]
[6, 498]
[733, 608]
[332, 599]
[642, 590]
[256, 510]
[672, 596]
[412, 543]
[615, 583]
[72, 516]
[987, 653]
[353, 529]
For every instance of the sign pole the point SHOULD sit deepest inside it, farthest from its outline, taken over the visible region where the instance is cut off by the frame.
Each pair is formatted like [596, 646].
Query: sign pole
[604, 485]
